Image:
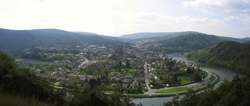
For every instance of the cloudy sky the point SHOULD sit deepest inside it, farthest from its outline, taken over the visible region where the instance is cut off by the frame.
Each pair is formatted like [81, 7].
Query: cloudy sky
[116, 17]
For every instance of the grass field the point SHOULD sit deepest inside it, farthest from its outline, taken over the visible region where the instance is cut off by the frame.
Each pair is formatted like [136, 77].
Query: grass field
[173, 90]
[185, 80]
[163, 92]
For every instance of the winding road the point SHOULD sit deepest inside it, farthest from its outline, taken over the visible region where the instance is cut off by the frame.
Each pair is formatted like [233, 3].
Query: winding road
[86, 61]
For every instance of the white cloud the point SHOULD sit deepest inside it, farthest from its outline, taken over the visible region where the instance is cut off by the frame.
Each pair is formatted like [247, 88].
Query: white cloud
[201, 3]
[234, 15]
[220, 6]
[117, 17]
[154, 22]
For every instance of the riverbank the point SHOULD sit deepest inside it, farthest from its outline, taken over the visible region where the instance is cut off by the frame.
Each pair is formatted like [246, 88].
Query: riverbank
[210, 81]
[223, 74]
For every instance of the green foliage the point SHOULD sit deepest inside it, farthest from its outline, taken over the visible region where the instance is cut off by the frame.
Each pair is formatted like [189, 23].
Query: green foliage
[231, 55]
[184, 80]
[173, 73]
[173, 90]
[235, 93]
[95, 98]
[20, 81]
[184, 42]
[13, 100]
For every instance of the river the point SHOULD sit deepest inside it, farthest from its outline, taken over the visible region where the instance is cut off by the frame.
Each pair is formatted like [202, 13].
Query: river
[224, 74]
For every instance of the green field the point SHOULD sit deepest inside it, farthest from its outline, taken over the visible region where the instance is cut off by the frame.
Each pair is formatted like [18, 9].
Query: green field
[173, 90]
[185, 80]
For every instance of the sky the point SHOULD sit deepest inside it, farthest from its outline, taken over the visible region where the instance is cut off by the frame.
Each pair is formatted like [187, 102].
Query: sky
[117, 17]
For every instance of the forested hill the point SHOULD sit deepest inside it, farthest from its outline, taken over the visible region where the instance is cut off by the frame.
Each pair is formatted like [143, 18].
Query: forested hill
[236, 93]
[14, 40]
[148, 35]
[232, 55]
[183, 42]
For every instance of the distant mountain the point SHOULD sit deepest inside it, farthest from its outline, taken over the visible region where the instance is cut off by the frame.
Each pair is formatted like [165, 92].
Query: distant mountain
[144, 35]
[246, 39]
[15, 40]
[232, 55]
[181, 42]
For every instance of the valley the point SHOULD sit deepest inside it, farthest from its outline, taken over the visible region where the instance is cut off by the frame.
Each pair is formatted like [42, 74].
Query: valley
[144, 70]
[124, 52]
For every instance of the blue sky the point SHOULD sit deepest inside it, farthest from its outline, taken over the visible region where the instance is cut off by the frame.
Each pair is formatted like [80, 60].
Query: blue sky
[117, 17]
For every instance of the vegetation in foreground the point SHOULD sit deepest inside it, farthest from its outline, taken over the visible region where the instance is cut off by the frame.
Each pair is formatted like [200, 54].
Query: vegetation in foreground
[235, 93]
[13, 100]
[19, 82]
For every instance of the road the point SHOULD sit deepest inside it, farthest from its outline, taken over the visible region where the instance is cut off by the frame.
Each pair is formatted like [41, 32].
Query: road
[86, 61]
[147, 80]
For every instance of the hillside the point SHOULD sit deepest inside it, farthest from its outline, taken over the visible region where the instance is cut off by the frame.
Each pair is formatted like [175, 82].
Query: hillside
[13, 100]
[145, 35]
[22, 87]
[232, 55]
[15, 40]
[246, 39]
[182, 42]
